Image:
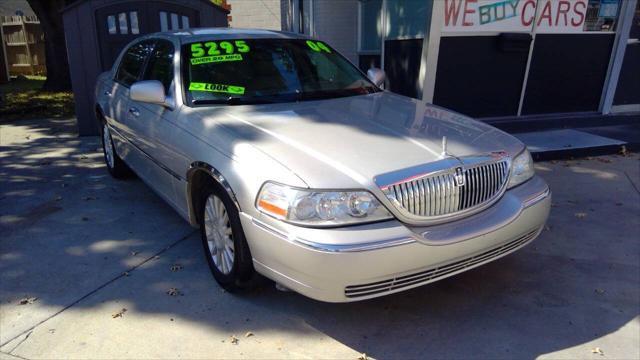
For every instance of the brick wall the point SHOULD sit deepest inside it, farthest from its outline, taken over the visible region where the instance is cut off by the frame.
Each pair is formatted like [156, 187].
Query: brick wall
[255, 14]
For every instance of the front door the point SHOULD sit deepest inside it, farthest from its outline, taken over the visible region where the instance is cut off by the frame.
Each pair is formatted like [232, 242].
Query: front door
[152, 124]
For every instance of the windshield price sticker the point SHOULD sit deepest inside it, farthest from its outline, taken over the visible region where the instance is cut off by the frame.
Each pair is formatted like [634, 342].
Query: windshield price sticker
[212, 48]
[318, 46]
[218, 88]
[216, 58]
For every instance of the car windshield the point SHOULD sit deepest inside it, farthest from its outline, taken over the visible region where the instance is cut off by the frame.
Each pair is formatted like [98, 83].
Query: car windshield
[255, 71]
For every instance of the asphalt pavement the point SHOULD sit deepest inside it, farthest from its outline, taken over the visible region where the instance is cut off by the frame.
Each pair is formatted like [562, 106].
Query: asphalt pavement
[92, 267]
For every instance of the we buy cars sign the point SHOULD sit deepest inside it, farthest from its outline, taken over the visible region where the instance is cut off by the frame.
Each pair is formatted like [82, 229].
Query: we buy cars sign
[550, 16]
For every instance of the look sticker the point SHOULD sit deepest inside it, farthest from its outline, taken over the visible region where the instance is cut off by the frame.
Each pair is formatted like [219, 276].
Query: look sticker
[218, 88]
[215, 59]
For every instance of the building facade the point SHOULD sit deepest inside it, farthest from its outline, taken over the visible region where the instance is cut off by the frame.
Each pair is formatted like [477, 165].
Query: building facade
[484, 58]
[97, 30]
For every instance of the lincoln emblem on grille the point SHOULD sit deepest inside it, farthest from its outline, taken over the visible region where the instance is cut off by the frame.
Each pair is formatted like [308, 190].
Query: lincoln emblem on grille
[459, 176]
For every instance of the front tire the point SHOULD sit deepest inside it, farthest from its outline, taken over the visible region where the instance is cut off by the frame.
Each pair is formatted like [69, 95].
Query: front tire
[223, 240]
[116, 166]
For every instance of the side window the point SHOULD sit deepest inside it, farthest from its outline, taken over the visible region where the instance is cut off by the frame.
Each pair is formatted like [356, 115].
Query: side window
[160, 66]
[132, 63]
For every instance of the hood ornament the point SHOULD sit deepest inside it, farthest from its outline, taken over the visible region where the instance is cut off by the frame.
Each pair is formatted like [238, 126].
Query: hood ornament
[444, 147]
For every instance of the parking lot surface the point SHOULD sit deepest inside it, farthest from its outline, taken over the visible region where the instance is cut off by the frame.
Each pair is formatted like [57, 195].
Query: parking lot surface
[92, 267]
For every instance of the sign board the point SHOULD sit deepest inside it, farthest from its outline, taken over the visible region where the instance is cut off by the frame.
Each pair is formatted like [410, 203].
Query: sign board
[550, 16]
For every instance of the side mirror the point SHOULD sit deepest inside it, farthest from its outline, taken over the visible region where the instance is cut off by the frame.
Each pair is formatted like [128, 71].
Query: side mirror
[148, 91]
[376, 75]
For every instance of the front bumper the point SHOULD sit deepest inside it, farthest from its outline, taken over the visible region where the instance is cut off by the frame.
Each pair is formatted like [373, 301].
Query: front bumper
[362, 262]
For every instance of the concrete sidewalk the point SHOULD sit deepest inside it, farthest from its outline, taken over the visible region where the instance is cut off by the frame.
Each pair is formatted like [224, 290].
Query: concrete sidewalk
[93, 259]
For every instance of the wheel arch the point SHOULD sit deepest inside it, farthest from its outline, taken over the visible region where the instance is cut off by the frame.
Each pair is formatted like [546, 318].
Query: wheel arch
[200, 174]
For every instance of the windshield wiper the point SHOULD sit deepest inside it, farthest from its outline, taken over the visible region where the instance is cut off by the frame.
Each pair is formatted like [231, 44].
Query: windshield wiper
[231, 100]
[330, 94]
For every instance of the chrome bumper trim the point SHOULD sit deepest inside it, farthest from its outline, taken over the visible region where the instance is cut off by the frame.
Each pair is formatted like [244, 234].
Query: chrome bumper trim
[536, 198]
[333, 248]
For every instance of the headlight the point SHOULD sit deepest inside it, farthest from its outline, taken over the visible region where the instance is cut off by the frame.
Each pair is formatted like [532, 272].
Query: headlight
[521, 169]
[319, 208]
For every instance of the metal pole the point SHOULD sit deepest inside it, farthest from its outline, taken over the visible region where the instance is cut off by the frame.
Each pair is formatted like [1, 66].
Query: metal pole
[625, 19]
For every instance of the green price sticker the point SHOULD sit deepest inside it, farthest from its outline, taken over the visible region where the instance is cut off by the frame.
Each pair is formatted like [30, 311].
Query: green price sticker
[215, 59]
[212, 48]
[318, 46]
[217, 88]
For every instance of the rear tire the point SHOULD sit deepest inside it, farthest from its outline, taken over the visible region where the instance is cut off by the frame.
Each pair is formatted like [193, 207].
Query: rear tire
[116, 166]
[225, 246]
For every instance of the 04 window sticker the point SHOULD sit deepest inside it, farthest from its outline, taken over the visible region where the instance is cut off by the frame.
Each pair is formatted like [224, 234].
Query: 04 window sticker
[318, 46]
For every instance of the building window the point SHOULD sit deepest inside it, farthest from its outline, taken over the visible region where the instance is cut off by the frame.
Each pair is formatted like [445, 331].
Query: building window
[174, 22]
[133, 18]
[302, 16]
[370, 26]
[602, 15]
[122, 18]
[163, 21]
[171, 21]
[111, 24]
[407, 19]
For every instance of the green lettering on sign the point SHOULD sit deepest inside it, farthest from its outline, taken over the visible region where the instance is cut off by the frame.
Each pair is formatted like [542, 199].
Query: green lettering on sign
[218, 88]
[211, 48]
[318, 46]
[216, 58]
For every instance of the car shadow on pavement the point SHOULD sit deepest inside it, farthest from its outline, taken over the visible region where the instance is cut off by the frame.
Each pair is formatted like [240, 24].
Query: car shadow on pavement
[74, 239]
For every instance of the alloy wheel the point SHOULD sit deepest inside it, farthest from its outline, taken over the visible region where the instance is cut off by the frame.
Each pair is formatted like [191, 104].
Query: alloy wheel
[108, 147]
[219, 234]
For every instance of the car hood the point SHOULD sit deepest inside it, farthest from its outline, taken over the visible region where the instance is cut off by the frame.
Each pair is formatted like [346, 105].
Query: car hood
[346, 142]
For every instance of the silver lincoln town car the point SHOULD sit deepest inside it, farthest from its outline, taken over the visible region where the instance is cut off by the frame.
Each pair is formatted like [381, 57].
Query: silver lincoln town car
[297, 166]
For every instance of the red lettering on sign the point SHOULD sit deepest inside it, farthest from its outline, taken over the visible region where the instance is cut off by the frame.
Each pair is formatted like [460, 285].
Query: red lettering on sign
[563, 9]
[528, 22]
[581, 13]
[468, 11]
[451, 10]
[546, 13]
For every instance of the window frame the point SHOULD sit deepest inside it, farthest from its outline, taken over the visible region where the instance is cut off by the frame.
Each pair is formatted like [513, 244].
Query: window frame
[144, 64]
[173, 64]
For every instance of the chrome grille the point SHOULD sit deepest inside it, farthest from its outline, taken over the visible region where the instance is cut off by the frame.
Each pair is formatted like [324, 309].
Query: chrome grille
[436, 273]
[442, 194]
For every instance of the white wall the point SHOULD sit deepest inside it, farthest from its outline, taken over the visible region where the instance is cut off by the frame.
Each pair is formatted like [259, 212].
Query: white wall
[255, 14]
[336, 22]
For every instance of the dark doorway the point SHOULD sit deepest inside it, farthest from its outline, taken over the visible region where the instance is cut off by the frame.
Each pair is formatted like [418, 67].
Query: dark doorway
[567, 73]
[402, 65]
[481, 76]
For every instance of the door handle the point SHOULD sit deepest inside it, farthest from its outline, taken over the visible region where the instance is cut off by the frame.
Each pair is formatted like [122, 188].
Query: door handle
[134, 111]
